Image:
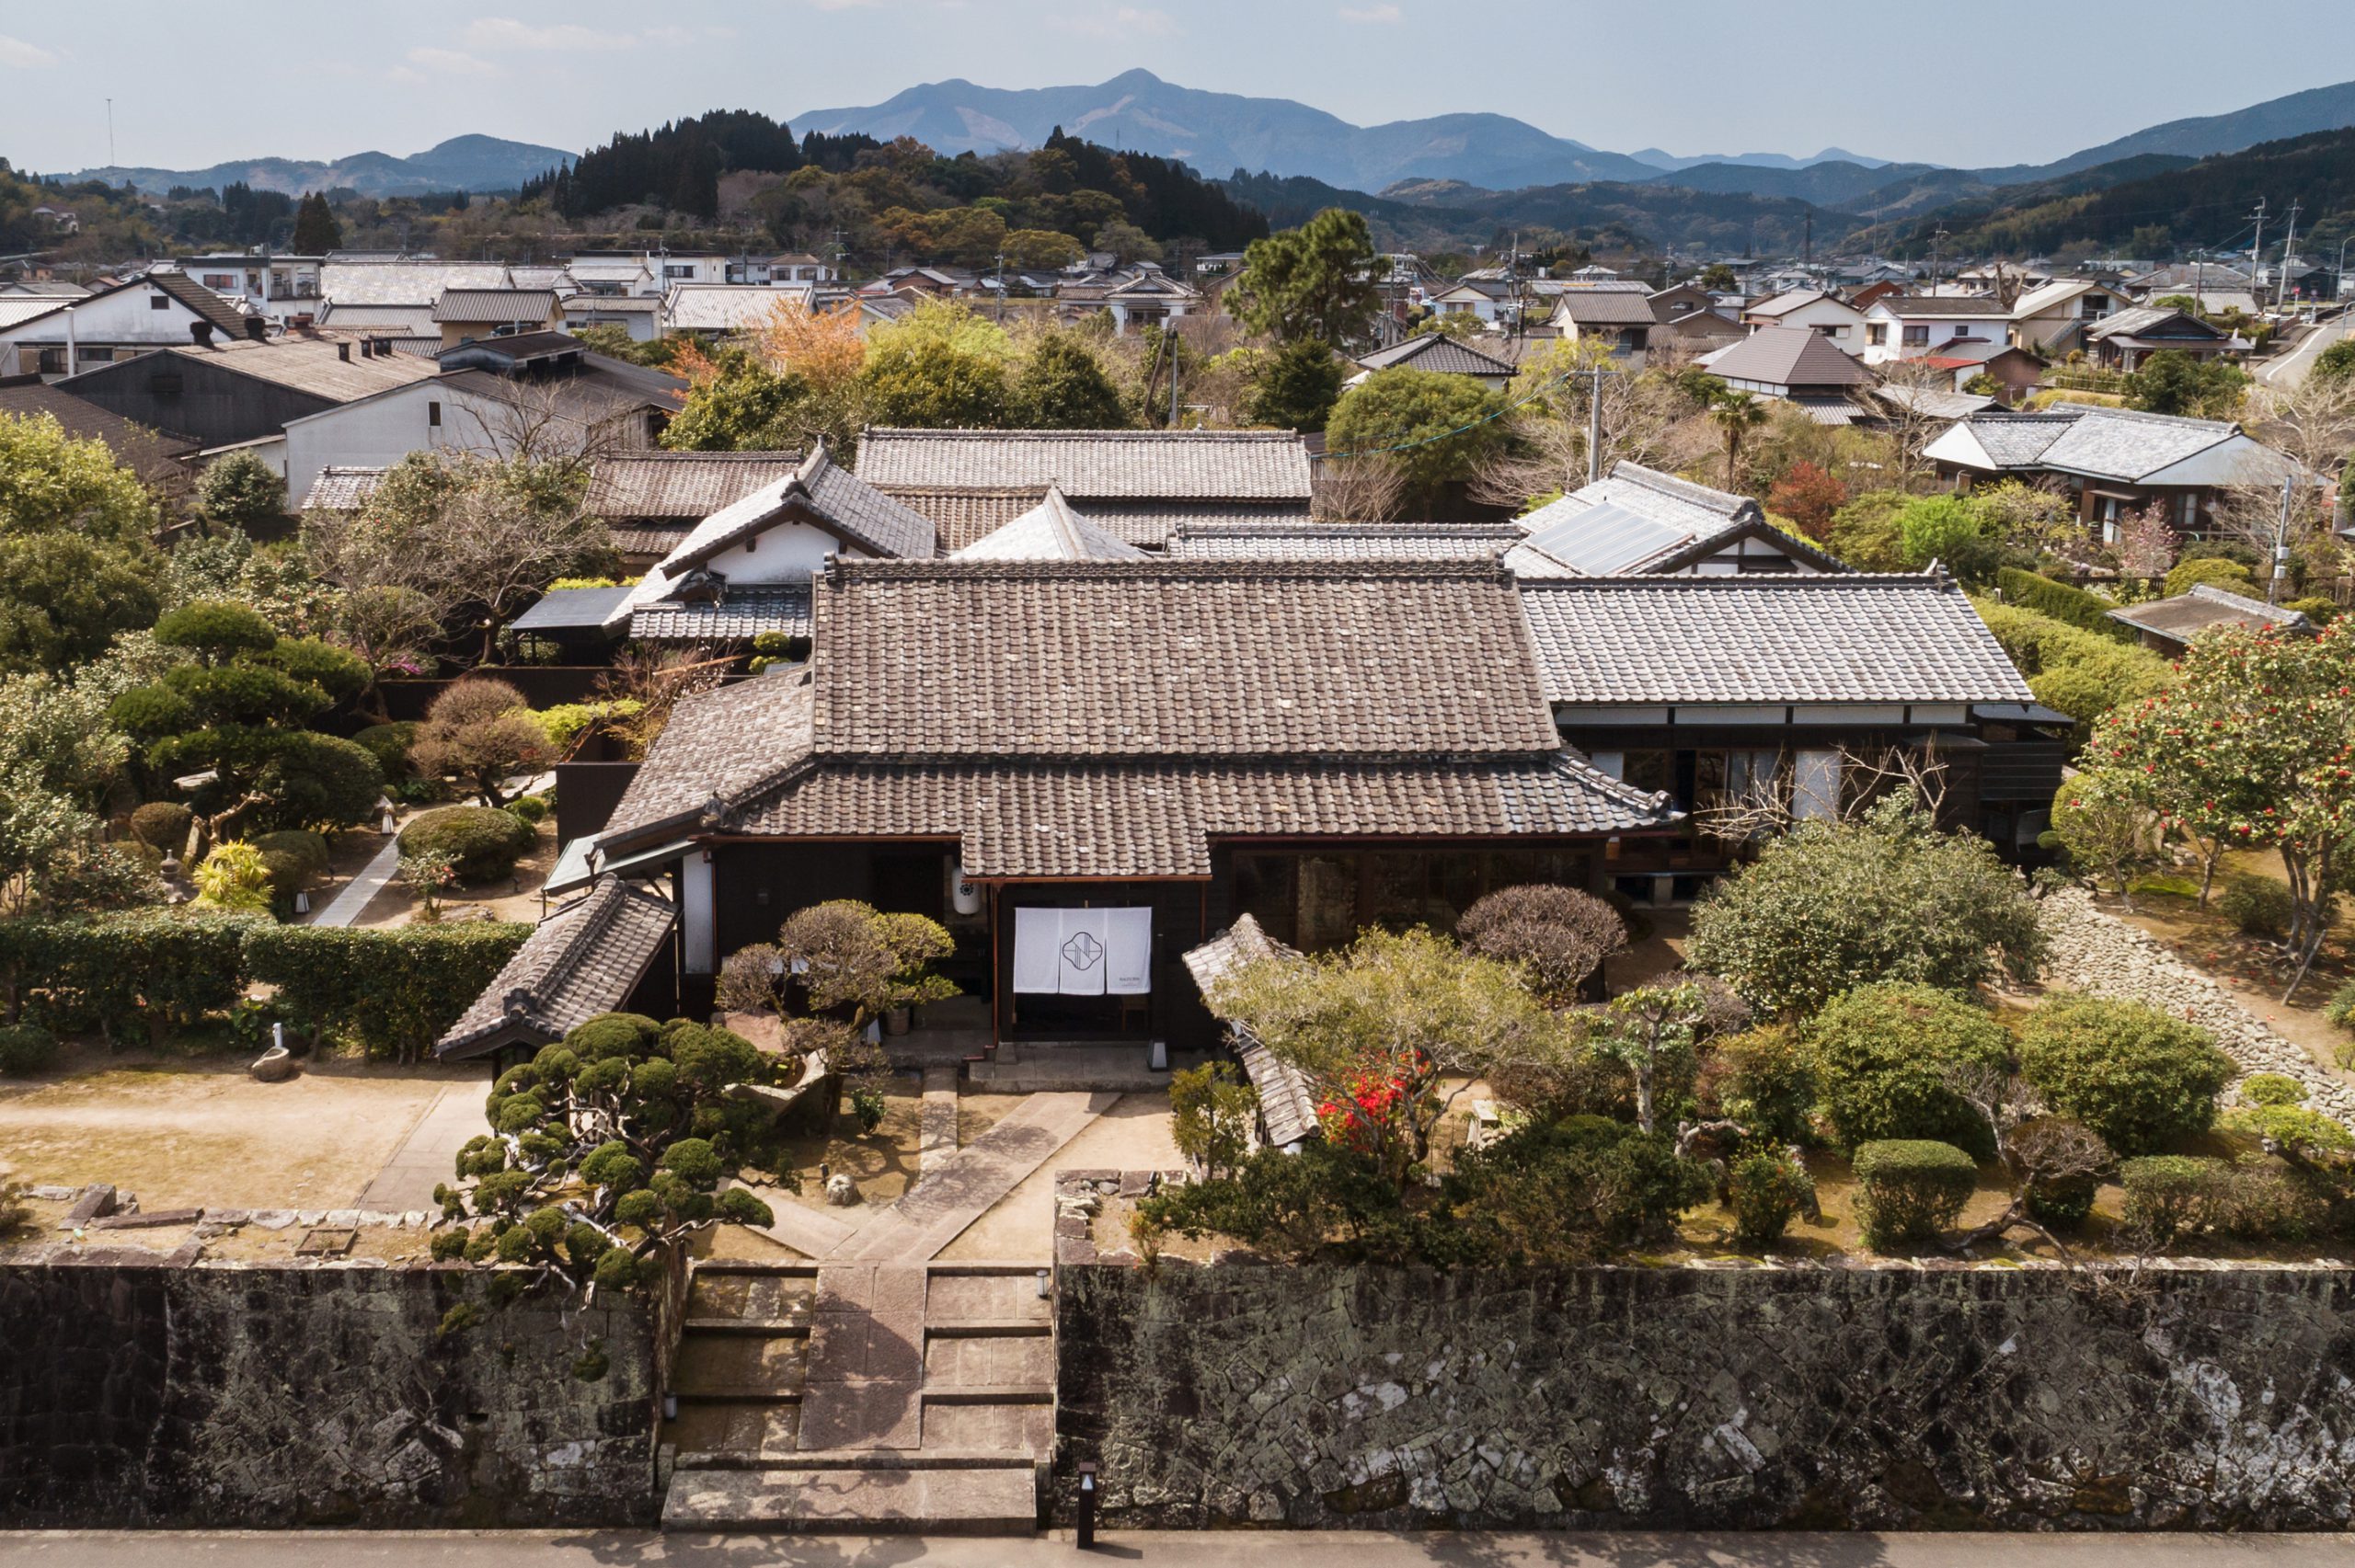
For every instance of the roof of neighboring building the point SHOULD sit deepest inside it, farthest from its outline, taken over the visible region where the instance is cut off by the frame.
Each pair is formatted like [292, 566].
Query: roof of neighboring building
[2142, 318]
[1607, 307]
[2112, 444]
[688, 486]
[306, 364]
[1832, 638]
[737, 614]
[1787, 356]
[1436, 352]
[582, 960]
[1795, 298]
[1933, 402]
[2052, 295]
[412, 319]
[1940, 307]
[1955, 352]
[569, 608]
[961, 517]
[493, 307]
[1049, 531]
[724, 307]
[612, 305]
[1157, 466]
[340, 488]
[14, 309]
[152, 454]
[2207, 608]
[1341, 541]
[593, 389]
[225, 317]
[1287, 1108]
[404, 282]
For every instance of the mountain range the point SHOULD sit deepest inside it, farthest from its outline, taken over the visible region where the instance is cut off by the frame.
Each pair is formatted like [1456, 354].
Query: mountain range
[462, 163]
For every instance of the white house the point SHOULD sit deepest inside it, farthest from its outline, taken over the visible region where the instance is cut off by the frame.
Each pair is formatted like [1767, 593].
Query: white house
[2054, 317]
[1906, 326]
[54, 336]
[280, 287]
[1827, 315]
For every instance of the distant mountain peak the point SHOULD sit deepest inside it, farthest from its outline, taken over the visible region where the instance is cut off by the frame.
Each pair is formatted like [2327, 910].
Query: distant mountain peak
[472, 162]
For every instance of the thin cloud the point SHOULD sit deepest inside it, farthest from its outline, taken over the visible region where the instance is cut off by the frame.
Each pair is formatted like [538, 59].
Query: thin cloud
[506, 32]
[24, 56]
[1373, 16]
[450, 63]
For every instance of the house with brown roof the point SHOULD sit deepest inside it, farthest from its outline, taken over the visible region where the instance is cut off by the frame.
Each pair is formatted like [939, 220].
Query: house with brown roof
[1905, 326]
[2169, 627]
[1140, 485]
[1087, 768]
[464, 314]
[54, 336]
[651, 498]
[1440, 354]
[1815, 310]
[1793, 364]
[1620, 319]
[2122, 341]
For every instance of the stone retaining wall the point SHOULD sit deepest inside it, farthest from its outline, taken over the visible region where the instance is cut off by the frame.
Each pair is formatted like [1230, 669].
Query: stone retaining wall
[143, 1391]
[1901, 1396]
[2095, 952]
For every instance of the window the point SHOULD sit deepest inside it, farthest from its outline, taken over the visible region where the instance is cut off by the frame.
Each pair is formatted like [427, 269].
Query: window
[1731, 780]
[97, 356]
[220, 280]
[1877, 334]
[1917, 336]
[678, 269]
[159, 302]
[52, 361]
[434, 415]
[1828, 330]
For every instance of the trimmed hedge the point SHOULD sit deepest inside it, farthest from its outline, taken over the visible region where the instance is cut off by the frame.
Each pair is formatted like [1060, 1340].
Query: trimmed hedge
[1881, 1054]
[389, 744]
[390, 990]
[2063, 602]
[2135, 1076]
[1910, 1189]
[163, 823]
[152, 970]
[24, 1048]
[482, 842]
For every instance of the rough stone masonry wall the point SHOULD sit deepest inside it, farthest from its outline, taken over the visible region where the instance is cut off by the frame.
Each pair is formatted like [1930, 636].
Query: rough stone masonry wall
[145, 1394]
[2095, 952]
[1901, 1396]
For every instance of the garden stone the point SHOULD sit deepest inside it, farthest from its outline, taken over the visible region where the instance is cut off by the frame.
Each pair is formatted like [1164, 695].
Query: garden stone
[841, 1191]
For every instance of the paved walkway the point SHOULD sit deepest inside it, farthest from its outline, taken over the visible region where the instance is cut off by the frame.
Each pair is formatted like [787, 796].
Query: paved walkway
[865, 1359]
[963, 1186]
[346, 906]
[937, 1123]
[428, 1156]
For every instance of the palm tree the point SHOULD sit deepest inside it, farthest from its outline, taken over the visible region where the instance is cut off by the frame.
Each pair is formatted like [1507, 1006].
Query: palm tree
[1737, 413]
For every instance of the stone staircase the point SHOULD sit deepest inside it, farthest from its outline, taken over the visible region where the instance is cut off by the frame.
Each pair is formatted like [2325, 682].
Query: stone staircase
[803, 1406]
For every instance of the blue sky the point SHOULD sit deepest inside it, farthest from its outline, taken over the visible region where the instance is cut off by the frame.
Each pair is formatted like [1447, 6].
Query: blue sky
[1907, 80]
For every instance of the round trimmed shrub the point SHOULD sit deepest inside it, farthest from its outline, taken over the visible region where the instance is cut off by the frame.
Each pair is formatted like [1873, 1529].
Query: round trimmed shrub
[1908, 1189]
[481, 842]
[1767, 1192]
[2168, 1195]
[163, 823]
[527, 808]
[217, 629]
[2062, 1205]
[308, 851]
[2272, 1089]
[1880, 1052]
[389, 744]
[2190, 573]
[25, 1048]
[2136, 1077]
[2258, 906]
[1765, 1080]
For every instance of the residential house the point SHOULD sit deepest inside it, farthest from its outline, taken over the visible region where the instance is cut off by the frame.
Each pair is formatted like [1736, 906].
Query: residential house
[1703, 331]
[609, 274]
[54, 336]
[465, 314]
[652, 500]
[1050, 531]
[2052, 319]
[2111, 461]
[1680, 299]
[640, 315]
[535, 392]
[1826, 314]
[1440, 354]
[1492, 300]
[1057, 760]
[2123, 341]
[1135, 298]
[1620, 320]
[1138, 484]
[1637, 522]
[1794, 365]
[1910, 326]
[2169, 627]
[793, 266]
[2015, 371]
[1342, 540]
[158, 457]
[284, 288]
[1792, 691]
[395, 295]
[725, 310]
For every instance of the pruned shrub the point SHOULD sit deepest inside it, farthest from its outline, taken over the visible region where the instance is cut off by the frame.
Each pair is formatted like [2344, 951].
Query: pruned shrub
[481, 842]
[2257, 906]
[390, 990]
[295, 856]
[1882, 1055]
[146, 970]
[527, 808]
[1765, 1081]
[2168, 1197]
[1558, 937]
[1910, 1189]
[1767, 1192]
[163, 824]
[2135, 1076]
[2309, 1134]
[236, 876]
[2340, 1008]
[25, 1048]
[2272, 1089]
[389, 744]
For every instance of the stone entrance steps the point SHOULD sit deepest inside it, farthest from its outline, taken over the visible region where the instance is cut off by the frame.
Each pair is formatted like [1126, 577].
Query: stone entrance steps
[862, 1491]
[743, 1354]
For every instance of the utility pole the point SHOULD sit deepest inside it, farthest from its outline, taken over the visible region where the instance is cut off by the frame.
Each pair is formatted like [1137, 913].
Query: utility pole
[1594, 425]
[1937, 235]
[110, 132]
[1169, 330]
[1808, 252]
[2256, 247]
[2281, 543]
[2288, 249]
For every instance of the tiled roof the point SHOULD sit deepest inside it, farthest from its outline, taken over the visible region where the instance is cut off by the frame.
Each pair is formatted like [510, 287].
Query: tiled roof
[1049, 531]
[1932, 403]
[569, 610]
[2142, 318]
[689, 485]
[1607, 307]
[491, 307]
[1942, 307]
[343, 489]
[716, 745]
[224, 317]
[1287, 1109]
[2112, 443]
[404, 282]
[657, 540]
[962, 517]
[414, 320]
[1436, 352]
[1789, 301]
[726, 307]
[150, 453]
[2205, 608]
[737, 615]
[582, 960]
[1787, 356]
[1342, 542]
[1766, 639]
[1157, 466]
[1156, 658]
[309, 365]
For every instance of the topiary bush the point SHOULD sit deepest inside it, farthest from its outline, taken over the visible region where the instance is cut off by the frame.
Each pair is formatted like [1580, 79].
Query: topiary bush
[1558, 937]
[1765, 1081]
[2229, 576]
[1910, 1189]
[389, 744]
[2272, 1089]
[25, 1048]
[528, 808]
[481, 842]
[2309, 1134]
[2063, 602]
[303, 853]
[2258, 906]
[1879, 1054]
[390, 990]
[2167, 1196]
[1767, 1192]
[163, 823]
[2138, 1078]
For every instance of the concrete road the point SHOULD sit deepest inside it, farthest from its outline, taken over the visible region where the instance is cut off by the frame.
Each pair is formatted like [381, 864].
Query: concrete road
[2290, 368]
[1218, 1549]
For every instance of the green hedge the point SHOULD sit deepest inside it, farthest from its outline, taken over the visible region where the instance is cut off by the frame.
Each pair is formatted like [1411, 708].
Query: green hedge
[149, 970]
[1910, 1189]
[2062, 602]
[390, 990]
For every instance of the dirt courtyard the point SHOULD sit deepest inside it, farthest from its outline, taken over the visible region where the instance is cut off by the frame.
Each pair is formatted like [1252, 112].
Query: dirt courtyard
[196, 1133]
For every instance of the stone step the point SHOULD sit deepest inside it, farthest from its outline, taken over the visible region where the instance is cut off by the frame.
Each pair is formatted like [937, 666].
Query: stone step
[988, 1328]
[767, 1328]
[756, 1266]
[989, 1393]
[865, 1499]
[947, 1458]
[738, 1393]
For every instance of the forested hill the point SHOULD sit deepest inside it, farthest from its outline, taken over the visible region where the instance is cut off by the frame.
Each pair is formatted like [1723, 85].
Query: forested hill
[1068, 187]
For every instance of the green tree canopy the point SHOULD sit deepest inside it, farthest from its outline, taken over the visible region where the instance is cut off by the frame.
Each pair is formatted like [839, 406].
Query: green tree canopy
[930, 383]
[64, 598]
[1294, 388]
[317, 232]
[51, 482]
[2172, 381]
[1315, 282]
[1436, 428]
[241, 491]
[1062, 386]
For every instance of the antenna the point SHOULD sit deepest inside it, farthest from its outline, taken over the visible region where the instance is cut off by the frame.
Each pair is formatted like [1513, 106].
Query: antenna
[110, 134]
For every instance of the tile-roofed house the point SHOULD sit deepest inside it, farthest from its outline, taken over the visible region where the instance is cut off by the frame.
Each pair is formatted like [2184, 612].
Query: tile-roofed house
[1440, 354]
[1809, 309]
[1906, 326]
[342, 488]
[2052, 318]
[2112, 461]
[1637, 520]
[236, 390]
[403, 321]
[2123, 340]
[2168, 625]
[725, 308]
[1788, 364]
[1342, 540]
[1136, 484]
[587, 958]
[1622, 320]
[405, 281]
[1049, 531]
[751, 559]
[155, 455]
[464, 314]
[117, 321]
[651, 498]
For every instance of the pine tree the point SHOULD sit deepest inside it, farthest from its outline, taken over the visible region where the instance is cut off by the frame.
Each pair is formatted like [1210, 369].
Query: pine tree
[317, 232]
